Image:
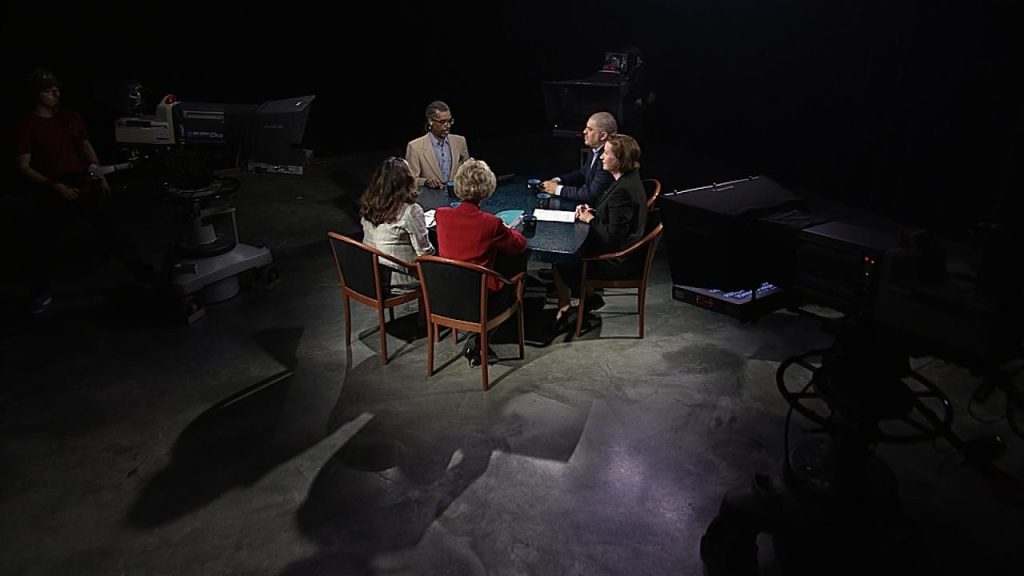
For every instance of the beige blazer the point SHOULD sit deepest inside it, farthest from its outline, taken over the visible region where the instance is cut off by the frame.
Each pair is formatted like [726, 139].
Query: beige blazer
[420, 155]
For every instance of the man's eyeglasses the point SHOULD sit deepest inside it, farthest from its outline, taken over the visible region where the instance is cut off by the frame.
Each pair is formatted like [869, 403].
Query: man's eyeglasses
[445, 122]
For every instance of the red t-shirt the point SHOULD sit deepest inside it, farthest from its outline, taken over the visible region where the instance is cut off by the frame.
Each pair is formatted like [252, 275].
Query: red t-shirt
[55, 145]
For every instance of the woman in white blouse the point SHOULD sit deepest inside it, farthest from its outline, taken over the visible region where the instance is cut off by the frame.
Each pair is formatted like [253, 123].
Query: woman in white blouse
[392, 220]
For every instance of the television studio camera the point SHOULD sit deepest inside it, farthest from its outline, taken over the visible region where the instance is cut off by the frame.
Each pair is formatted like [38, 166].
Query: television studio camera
[748, 247]
[186, 147]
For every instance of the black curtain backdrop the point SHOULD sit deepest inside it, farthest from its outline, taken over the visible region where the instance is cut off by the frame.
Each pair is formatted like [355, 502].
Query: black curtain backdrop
[909, 109]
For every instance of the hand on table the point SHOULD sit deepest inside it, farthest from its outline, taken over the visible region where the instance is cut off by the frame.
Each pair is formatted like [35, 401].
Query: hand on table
[584, 213]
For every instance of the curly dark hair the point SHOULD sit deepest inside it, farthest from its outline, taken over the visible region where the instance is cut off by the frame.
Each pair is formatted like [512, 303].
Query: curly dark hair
[391, 187]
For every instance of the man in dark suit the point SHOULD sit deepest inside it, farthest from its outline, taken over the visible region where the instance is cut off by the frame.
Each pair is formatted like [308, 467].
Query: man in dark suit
[586, 184]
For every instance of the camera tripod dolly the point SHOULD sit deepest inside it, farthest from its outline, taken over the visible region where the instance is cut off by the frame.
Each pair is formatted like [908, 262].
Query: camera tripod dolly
[206, 264]
[837, 510]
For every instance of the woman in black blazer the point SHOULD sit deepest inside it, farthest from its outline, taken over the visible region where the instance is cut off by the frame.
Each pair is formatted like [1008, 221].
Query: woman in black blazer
[617, 222]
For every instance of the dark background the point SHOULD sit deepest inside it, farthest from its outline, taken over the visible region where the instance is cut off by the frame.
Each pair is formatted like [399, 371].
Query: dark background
[908, 109]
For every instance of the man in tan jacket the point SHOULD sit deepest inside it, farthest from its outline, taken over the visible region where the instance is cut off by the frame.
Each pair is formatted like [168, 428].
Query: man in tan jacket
[436, 156]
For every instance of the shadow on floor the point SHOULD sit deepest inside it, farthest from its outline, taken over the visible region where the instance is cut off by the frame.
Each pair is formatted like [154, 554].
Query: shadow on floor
[382, 490]
[233, 443]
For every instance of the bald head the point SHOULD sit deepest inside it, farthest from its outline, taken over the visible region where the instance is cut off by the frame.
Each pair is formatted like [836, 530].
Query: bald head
[599, 127]
[605, 122]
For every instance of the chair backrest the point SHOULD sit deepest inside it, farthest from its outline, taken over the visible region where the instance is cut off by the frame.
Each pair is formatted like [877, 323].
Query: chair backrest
[652, 220]
[454, 289]
[356, 263]
[652, 187]
[652, 243]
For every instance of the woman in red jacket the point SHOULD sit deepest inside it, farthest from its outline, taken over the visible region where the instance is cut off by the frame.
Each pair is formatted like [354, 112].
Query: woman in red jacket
[469, 234]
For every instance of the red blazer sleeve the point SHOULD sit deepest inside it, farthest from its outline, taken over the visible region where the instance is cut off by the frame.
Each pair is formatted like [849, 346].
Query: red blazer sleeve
[508, 241]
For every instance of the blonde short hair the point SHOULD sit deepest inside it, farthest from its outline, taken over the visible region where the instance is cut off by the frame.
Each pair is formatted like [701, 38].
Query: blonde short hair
[475, 182]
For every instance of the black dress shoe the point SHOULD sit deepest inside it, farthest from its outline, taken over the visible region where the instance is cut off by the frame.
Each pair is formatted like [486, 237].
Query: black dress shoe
[593, 302]
[472, 354]
[564, 321]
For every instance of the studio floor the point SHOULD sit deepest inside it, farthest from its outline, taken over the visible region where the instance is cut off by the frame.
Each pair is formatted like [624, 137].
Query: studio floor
[254, 441]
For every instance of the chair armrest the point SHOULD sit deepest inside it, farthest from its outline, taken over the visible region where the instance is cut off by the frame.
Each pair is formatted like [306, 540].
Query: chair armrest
[651, 237]
[520, 281]
[518, 278]
[513, 280]
[613, 255]
[464, 264]
[413, 271]
[410, 267]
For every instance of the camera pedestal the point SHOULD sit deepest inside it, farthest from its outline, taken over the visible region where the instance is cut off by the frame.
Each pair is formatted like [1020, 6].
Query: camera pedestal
[206, 264]
[837, 511]
[815, 527]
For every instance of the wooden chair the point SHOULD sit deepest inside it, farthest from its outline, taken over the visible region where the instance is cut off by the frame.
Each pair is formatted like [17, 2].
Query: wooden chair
[359, 271]
[648, 243]
[456, 296]
[652, 187]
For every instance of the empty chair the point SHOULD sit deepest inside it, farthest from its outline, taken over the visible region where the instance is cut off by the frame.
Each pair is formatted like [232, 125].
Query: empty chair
[456, 296]
[359, 271]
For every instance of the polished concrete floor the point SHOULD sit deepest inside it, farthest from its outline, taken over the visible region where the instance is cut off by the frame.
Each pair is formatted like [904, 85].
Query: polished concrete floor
[255, 442]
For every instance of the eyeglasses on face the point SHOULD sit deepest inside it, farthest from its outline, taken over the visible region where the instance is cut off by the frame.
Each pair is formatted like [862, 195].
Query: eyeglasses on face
[443, 122]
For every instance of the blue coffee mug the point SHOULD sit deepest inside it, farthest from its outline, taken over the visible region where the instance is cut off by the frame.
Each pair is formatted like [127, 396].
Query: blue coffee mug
[533, 184]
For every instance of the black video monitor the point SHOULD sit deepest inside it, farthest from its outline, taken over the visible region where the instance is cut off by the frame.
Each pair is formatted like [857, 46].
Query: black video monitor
[616, 62]
[569, 103]
[278, 127]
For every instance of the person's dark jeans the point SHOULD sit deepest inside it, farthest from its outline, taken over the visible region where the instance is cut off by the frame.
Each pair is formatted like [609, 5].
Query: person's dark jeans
[53, 216]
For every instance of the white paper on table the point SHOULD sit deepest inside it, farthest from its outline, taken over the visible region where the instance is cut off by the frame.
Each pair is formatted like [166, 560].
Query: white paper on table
[554, 215]
[428, 216]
